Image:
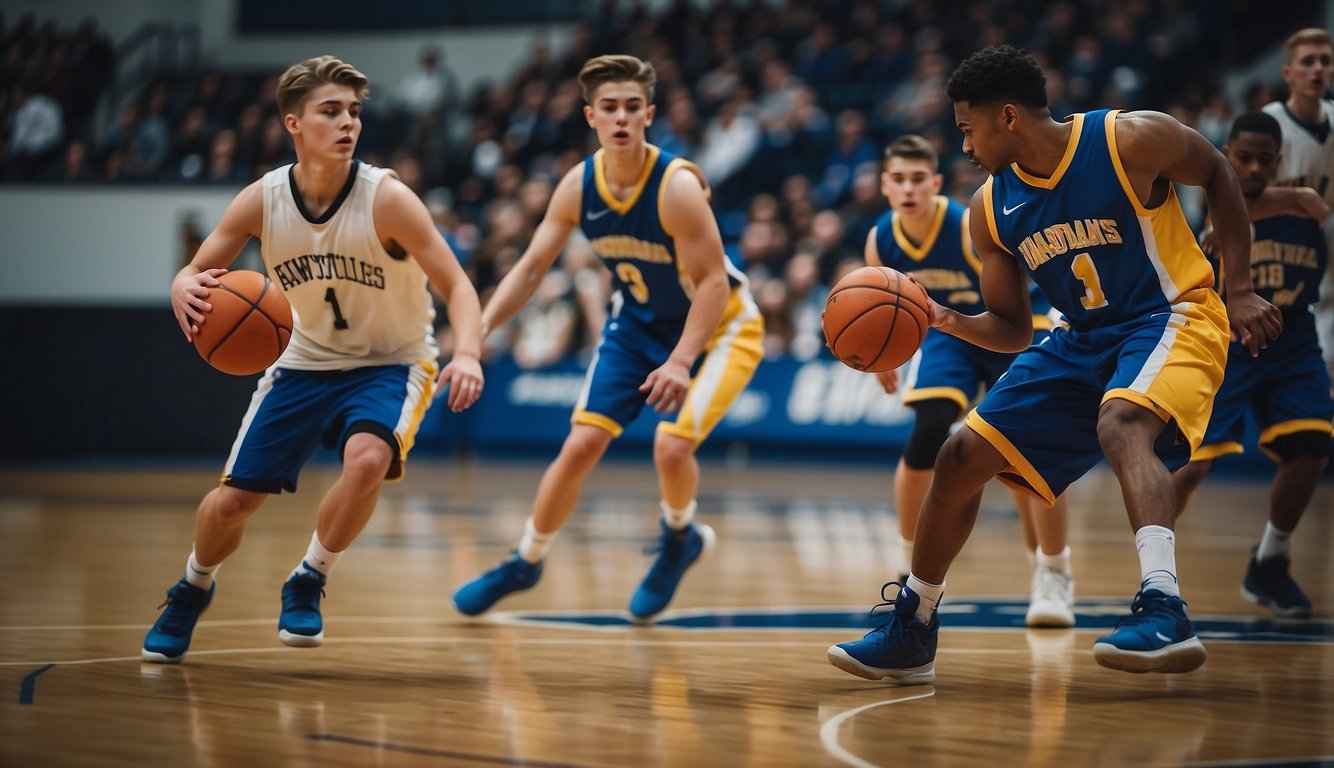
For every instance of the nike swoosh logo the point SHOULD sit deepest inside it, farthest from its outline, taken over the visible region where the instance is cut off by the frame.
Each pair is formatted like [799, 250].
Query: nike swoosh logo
[1008, 210]
[1163, 637]
[591, 216]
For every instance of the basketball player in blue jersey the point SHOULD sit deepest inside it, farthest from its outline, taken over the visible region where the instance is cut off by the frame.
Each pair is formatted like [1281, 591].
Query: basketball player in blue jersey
[352, 249]
[1286, 387]
[682, 332]
[925, 235]
[1087, 206]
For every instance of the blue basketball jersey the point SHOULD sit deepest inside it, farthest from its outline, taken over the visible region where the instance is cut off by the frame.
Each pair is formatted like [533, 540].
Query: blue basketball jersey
[1288, 260]
[944, 263]
[1098, 255]
[649, 284]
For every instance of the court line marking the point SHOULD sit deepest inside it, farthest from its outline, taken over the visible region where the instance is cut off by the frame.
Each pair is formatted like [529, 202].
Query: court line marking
[431, 752]
[28, 688]
[446, 640]
[829, 729]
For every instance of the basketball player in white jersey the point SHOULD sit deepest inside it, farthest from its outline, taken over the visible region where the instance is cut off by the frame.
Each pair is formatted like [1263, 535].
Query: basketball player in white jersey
[353, 250]
[1307, 121]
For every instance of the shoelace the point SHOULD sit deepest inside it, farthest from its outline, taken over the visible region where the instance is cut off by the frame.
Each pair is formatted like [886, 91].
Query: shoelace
[176, 617]
[1052, 585]
[302, 594]
[1139, 612]
[670, 548]
[891, 627]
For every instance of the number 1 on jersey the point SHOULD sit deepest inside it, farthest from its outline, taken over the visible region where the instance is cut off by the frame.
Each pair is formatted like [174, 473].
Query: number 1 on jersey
[340, 322]
[1083, 268]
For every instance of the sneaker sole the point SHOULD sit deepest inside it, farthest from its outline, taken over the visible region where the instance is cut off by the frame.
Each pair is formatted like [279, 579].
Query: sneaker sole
[1286, 613]
[301, 641]
[907, 676]
[153, 657]
[1184, 656]
[710, 539]
[1049, 618]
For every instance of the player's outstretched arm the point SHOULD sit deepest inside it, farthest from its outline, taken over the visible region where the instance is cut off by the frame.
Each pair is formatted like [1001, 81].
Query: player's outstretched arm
[1288, 201]
[243, 219]
[521, 282]
[401, 216]
[687, 217]
[1154, 145]
[1007, 324]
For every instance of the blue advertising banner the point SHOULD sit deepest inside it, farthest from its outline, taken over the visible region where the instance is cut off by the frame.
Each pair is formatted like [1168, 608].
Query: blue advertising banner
[789, 407]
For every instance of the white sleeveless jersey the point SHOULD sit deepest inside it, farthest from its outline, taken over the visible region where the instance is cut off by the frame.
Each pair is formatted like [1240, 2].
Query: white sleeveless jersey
[1305, 162]
[354, 304]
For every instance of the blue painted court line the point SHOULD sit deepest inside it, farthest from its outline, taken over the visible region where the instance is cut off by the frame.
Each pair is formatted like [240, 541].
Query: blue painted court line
[28, 688]
[411, 750]
[971, 613]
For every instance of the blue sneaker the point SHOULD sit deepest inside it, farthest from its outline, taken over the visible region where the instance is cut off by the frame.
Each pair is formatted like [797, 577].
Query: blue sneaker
[677, 551]
[1268, 583]
[902, 649]
[1155, 637]
[169, 639]
[513, 575]
[300, 623]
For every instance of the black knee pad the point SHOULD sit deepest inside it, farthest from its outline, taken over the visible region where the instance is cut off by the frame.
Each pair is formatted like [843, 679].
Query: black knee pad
[929, 432]
[1299, 444]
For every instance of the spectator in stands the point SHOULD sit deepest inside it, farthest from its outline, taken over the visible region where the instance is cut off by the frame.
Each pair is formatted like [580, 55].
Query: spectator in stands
[36, 129]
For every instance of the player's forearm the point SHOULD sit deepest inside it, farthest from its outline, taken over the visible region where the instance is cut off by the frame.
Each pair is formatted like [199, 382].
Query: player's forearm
[1227, 210]
[513, 292]
[706, 311]
[465, 318]
[988, 330]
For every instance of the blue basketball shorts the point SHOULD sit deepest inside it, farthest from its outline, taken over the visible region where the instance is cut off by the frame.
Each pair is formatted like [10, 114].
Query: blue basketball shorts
[949, 368]
[1287, 388]
[293, 411]
[1042, 415]
[630, 351]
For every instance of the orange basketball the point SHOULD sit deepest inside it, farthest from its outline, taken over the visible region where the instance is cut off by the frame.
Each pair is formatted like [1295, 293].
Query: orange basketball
[249, 325]
[875, 319]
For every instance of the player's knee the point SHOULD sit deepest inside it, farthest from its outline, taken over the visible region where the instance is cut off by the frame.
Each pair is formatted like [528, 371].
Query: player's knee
[1121, 424]
[233, 505]
[1298, 445]
[584, 445]
[670, 451]
[366, 457]
[930, 430]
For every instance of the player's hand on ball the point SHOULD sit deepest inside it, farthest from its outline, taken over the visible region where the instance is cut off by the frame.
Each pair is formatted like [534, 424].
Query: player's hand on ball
[189, 299]
[463, 378]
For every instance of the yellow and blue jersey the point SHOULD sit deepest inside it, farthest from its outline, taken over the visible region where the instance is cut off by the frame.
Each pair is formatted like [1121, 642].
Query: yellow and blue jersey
[945, 263]
[1287, 386]
[1092, 247]
[649, 284]
[649, 304]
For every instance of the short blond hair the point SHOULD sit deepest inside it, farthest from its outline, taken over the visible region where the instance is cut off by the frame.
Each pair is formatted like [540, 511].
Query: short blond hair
[616, 68]
[303, 77]
[1308, 36]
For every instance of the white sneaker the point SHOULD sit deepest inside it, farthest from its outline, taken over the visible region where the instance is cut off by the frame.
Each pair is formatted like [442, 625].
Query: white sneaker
[1052, 600]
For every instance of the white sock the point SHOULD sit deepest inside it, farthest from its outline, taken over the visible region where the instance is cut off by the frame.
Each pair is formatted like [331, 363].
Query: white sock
[1274, 542]
[1157, 548]
[318, 559]
[678, 519]
[1059, 563]
[533, 545]
[930, 595]
[199, 575]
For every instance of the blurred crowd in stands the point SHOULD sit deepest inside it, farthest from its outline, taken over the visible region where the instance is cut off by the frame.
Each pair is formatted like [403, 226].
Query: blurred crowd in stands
[785, 106]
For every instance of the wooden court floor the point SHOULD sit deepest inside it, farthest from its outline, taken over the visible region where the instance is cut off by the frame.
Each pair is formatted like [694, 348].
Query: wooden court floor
[735, 674]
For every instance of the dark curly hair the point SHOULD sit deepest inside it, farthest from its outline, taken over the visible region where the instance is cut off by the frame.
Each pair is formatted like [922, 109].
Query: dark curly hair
[1257, 122]
[1000, 74]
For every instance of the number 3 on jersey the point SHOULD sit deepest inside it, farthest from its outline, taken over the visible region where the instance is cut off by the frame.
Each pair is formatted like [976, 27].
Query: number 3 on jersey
[1083, 268]
[631, 276]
